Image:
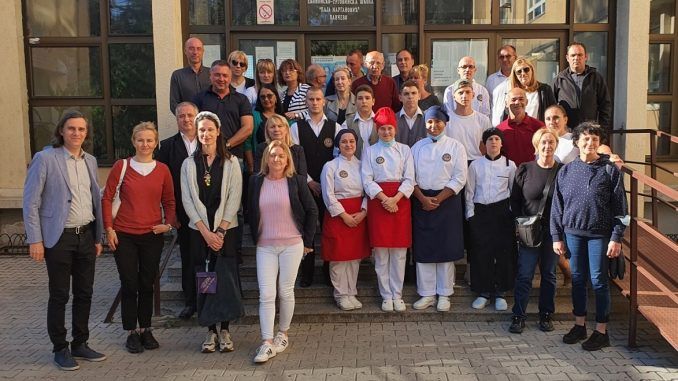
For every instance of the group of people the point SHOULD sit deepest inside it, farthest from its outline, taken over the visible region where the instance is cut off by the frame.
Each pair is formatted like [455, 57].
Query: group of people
[379, 163]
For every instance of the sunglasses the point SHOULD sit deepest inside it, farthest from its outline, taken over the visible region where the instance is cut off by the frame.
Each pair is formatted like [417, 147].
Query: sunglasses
[267, 96]
[238, 63]
[523, 70]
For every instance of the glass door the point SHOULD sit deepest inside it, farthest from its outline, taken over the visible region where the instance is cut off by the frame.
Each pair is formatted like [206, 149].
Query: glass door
[546, 50]
[258, 47]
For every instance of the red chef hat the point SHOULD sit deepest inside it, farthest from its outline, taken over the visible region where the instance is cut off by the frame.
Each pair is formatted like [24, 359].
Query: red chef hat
[385, 116]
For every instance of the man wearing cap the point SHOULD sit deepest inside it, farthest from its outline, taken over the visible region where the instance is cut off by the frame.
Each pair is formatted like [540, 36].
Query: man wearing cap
[437, 217]
[481, 101]
[315, 135]
[363, 123]
[388, 179]
[466, 125]
[518, 128]
[411, 126]
[492, 231]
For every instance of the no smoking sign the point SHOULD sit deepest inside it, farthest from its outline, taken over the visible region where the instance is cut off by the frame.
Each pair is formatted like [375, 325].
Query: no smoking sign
[265, 12]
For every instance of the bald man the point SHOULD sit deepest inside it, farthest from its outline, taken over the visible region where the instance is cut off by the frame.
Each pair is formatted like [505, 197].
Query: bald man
[192, 79]
[467, 70]
[518, 128]
[386, 92]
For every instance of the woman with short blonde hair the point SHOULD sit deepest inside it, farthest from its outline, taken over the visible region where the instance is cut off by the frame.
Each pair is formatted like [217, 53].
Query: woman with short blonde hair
[277, 128]
[419, 74]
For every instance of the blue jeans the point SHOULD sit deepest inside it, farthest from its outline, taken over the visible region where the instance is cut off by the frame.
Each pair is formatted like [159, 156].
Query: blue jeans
[589, 261]
[528, 257]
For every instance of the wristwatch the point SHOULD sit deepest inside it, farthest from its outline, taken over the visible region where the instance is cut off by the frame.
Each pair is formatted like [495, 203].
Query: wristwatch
[228, 145]
[221, 230]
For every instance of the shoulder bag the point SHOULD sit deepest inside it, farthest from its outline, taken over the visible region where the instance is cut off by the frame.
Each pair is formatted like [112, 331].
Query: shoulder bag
[116, 198]
[529, 228]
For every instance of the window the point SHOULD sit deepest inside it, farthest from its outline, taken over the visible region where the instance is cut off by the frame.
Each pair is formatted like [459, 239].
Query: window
[535, 9]
[102, 66]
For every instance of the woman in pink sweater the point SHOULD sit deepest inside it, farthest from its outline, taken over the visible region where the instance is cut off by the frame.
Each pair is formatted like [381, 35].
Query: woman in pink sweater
[136, 232]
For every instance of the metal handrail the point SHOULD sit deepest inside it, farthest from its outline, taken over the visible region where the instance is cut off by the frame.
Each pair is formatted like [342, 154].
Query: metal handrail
[156, 287]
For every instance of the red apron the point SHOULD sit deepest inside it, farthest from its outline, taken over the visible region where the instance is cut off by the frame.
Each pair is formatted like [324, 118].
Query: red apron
[340, 242]
[389, 229]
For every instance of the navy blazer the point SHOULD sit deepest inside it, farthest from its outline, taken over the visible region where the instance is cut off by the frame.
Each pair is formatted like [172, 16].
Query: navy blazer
[47, 197]
[173, 152]
[304, 210]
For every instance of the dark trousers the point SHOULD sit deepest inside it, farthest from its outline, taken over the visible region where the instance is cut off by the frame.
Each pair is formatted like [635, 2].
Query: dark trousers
[187, 265]
[308, 262]
[72, 259]
[137, 258]
[528, 258]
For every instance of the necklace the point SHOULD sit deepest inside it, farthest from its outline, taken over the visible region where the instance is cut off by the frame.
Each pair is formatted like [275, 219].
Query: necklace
[207, 178]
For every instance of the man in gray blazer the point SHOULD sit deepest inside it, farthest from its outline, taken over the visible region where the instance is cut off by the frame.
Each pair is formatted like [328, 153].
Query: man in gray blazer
[62, 215]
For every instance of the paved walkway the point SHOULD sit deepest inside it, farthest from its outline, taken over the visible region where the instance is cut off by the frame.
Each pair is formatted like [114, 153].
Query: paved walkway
[364, 351]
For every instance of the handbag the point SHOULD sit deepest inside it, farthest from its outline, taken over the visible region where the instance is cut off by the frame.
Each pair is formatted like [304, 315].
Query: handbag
[206, 281]
[116, 198]
[617, 267]
[529, 228]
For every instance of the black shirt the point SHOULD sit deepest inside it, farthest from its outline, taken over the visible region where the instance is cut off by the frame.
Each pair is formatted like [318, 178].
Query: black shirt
[229, 109]
[210, 195]
[528, 189]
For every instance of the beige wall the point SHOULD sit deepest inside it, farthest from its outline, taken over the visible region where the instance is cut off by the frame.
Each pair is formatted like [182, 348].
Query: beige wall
[168, 51]
[15, 152]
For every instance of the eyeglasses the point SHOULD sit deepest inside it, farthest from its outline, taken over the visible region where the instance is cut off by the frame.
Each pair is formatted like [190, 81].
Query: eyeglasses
[264, 60]
[267, 96]
[523, 70]
[375, 63]
[286, 71]
[464, 67]
[238, 63]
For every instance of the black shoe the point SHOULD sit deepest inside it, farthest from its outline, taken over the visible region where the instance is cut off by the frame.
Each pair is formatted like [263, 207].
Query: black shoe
[186, 313]
[546, 323]
[517, 324]
[596, 342]
[148, 341]
[576, 334]
[64, 360]
[133, 343]
[84, 352]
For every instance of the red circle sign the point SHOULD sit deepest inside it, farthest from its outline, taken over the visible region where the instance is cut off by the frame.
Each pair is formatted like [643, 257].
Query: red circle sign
[265, 11]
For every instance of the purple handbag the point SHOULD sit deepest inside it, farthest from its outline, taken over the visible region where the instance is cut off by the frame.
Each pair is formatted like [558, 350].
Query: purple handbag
[206, 281]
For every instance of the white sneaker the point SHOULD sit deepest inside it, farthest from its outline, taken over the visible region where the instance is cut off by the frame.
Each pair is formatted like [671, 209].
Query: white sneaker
[210, 343]
[264, 353]
[480, 303]
[225, 342]
[280, 342]
[387, 305]
[443, 304]
[355, 301]
[424, 302]
[344, 303]
[500, 304]
[399, 305]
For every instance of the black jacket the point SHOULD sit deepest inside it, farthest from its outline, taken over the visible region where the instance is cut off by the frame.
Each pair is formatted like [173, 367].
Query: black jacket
[304, 210]
[173, 152]
[591, 103]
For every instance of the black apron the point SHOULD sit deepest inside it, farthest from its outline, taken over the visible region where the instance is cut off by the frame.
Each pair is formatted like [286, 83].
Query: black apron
[437, 235]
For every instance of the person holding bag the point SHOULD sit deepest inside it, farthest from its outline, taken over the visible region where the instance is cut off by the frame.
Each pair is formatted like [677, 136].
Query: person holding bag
[211, 186]
[135, 190]
[531, 201]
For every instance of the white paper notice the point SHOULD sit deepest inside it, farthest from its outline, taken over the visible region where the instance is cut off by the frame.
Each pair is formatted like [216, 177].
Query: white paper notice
[212, 53]
[265, 12]
[286, 50]
[442, 69]
[263, 52]
[250, 68]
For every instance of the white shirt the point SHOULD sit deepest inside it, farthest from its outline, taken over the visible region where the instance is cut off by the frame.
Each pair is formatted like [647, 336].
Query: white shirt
[142, 168]
[481, 102]
[190, 145]
[468, 130]
[316, 127]
[383, 163]
[532, 108]
[566, 150]
[244, 91]
[410, 121]
[493, 80]
[499, 102]
[365, 126]
[340, 179]
[488, 181]
[439, 164]
[251, 94]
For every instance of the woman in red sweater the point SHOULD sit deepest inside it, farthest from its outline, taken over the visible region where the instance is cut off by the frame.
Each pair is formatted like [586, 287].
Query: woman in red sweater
[136, 232]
